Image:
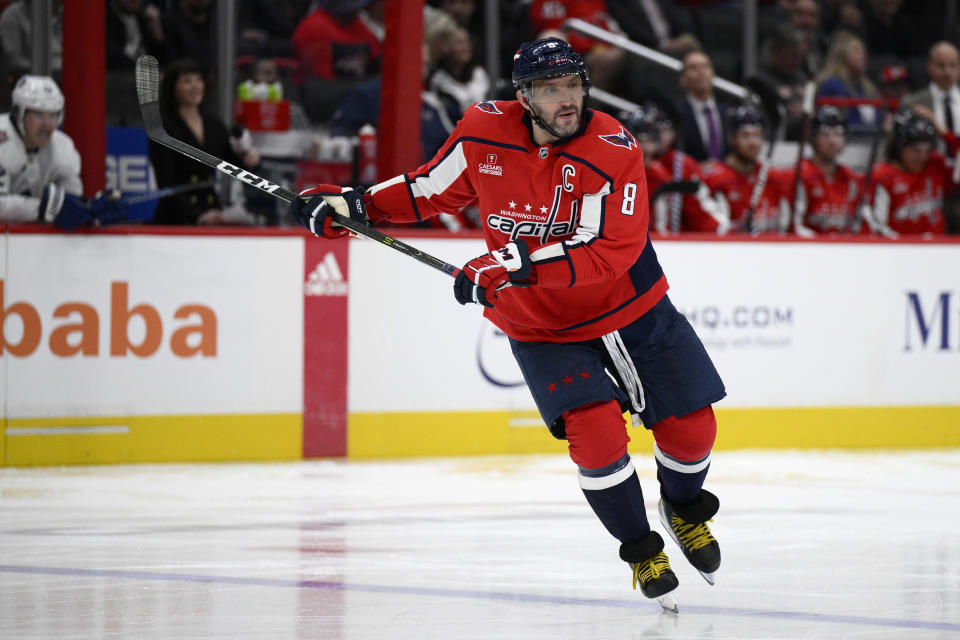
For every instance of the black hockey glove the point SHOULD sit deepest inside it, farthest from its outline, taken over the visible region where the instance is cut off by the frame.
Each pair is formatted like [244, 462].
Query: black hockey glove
[312, 209]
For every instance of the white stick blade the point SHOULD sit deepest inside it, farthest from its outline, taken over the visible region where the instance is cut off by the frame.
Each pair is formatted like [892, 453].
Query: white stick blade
[148, 79]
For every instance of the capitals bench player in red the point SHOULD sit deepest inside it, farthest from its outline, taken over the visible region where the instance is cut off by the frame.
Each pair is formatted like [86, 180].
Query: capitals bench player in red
[676, 212]
[827, 191]
[752, 198]
[909, 189]
[574, 282]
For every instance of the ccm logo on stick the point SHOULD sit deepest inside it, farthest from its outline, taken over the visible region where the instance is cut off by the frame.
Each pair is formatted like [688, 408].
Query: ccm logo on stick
[81, 333]
[251, 179]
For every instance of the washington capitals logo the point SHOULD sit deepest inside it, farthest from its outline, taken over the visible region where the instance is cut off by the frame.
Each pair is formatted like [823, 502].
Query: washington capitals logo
[622, 139]
[488, 107]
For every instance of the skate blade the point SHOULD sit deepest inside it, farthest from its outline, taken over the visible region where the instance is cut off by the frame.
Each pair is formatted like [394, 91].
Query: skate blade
[668, 602]
[707, 576]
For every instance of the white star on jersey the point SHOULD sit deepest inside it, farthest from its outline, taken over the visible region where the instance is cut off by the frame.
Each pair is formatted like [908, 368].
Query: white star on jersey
[543, 209]
[513, 205]
[526, 207]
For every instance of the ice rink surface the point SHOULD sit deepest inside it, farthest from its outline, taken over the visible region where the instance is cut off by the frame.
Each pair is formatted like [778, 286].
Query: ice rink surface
[815, 545]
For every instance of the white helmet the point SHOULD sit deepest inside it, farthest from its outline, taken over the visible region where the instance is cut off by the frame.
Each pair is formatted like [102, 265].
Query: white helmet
[39, 93]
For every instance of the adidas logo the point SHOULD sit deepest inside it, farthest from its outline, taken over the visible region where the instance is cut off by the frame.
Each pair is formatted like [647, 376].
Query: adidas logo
[326, 279]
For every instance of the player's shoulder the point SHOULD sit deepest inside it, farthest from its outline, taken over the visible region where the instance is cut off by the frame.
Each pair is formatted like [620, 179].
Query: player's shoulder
[884, 171]
[604, 129]
[717, 170]
[491, 119]
[493, 112]
[846, 173]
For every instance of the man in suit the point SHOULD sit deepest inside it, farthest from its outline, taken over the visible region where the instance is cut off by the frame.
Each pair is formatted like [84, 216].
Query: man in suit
[942, 96]
[657, 24]
[701, 115]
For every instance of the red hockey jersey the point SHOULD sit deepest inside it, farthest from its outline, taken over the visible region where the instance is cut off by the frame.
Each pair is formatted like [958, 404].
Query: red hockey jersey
[581, 206]
[695, 212]
[911, 203]
[825, 205]
[733, 190]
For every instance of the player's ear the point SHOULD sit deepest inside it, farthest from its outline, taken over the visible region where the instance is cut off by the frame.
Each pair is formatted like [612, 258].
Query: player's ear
[522, 99]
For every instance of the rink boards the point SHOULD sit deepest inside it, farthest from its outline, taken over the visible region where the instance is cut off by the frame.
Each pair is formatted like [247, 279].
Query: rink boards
[157, 346]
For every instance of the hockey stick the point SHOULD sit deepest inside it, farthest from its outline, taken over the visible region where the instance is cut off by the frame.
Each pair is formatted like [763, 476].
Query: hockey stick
[808, 93]
[166, 192]
[854, 219]
[771, 102]
[686, 187]
[148, 94]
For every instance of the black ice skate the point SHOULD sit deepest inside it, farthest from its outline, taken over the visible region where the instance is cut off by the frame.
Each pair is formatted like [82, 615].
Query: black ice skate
[651, 569]
[687, 525]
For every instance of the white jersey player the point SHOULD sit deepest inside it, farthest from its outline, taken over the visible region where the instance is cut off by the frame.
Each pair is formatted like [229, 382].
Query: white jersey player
[39, 164]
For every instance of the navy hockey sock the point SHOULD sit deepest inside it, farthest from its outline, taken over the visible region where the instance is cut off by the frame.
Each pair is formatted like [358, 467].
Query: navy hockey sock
[680, 481]
[614, 494]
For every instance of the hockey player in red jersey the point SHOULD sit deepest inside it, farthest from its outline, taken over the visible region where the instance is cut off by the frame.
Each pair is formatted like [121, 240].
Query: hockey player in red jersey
[909, 189]
[691, 212]
[734, 181]
[645, 127]
[574, 282]
[827, 192]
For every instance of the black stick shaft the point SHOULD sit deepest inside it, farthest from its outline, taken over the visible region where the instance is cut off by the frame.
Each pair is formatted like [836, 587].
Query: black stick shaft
[854, 216]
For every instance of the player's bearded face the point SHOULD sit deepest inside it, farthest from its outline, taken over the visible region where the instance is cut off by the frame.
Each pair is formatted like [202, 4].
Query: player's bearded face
[559, 103]
[747, 142]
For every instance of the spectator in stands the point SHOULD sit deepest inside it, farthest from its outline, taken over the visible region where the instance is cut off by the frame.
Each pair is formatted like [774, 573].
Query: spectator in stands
[266, 26]
[332, 42]
[941, 96]
[885, 30]
[133, 28]
[805, 17]
[658, 24]
[464, 14]
[337, 51]
[894, 82]
[263, 83]
[457, 80]
[462, 11]
[189, 31]
[702, 123]
[361, 106]
[16, 40]
[841, 14]
[605, 62]
[438, 29]
[845, 75]
[185, 117]
[783, 69]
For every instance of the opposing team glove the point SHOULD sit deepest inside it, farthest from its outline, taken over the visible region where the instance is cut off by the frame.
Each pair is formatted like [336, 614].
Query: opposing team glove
[108, 207]
[313, 207]
[64, 210]
[51, 201]
[481, 278]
